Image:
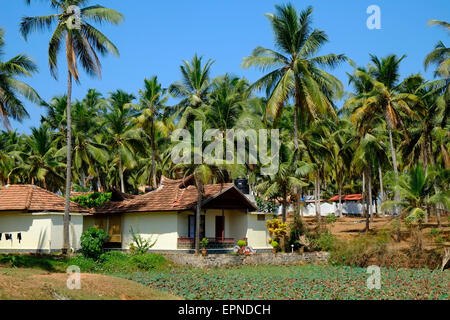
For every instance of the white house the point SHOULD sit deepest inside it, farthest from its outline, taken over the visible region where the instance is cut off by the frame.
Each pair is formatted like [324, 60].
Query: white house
[31, 220]
[167, 215]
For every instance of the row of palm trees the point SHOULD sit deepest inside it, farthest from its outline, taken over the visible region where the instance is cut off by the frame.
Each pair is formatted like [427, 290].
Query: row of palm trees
[386, 127]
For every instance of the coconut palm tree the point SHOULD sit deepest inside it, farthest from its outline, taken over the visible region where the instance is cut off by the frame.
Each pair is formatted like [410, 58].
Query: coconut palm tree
[195, 83]
[121, 133]
[384, 98]
[82, 42]
[153, 99]
[11, 107]
[297, 70]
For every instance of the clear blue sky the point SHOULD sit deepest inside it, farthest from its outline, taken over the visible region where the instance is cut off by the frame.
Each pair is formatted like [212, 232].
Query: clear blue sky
[157, 35]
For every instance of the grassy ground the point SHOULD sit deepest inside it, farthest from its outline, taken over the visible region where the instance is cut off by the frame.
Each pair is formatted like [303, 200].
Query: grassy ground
[298, 282]
[37, 284]
[25, 277]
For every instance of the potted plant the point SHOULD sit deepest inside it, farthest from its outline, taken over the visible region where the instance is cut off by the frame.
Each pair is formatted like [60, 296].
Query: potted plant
[204, 244]
[275, 246]
[241, 244]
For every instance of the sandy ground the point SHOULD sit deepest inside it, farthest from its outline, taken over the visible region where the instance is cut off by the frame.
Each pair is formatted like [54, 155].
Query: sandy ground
[26, 284]
[351, 227]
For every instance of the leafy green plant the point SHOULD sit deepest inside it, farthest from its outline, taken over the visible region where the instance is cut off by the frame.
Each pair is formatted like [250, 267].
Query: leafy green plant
[266, 206]
[92, 200]
[92, 242]
[241, 243]
[274, 244]
[330, 219]
[139, 244]
[204, 243]
[325, 241]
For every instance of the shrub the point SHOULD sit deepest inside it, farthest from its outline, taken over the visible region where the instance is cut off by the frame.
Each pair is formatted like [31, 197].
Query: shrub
[330, 219]
[204, 243]
[93, 200]
[325, 241]
[297, 230]
[274, 244]
[92, 242]
[139, 245]
[241, 243]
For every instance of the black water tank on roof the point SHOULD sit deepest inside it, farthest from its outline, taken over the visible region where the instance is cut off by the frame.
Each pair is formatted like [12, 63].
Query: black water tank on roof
[242, 184]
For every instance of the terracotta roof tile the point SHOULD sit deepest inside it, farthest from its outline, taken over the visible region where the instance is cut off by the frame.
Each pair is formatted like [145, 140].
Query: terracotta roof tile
[172, 195]
[18, 197]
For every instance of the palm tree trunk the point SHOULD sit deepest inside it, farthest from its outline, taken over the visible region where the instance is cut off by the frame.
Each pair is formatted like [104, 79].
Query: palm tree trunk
[122, 183]
[317, 198]
[153, 155]
[369, 187]
[340, 199]
[296, 108]
[396, 195]
[380, 175]
[197, 220]
[99, 184]
[365, 202]
[284, 208]
[66, 220]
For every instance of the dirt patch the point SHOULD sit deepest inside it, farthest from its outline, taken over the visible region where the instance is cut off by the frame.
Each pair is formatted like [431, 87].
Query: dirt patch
[26, 284]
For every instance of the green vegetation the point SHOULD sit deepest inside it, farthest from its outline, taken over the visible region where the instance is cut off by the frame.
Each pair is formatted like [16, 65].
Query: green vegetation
[296, 282]
[92, 200]
[92, 242]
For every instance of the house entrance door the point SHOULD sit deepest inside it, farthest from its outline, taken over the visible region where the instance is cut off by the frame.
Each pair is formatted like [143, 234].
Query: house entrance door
[220, 227]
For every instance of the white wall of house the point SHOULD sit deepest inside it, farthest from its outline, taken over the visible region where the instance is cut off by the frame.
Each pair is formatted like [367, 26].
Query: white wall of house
[257, 233]
[159, 226]
[41, 232]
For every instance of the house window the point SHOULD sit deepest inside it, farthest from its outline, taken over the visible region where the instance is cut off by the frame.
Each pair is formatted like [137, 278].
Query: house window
[261, 217]
[191, 226]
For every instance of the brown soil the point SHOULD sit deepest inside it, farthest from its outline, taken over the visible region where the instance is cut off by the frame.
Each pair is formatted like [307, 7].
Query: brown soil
[30, 284]
[347, 228]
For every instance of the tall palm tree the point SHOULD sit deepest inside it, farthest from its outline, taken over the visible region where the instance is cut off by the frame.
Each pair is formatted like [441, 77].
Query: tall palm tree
[297, 70]
[384, 98]
[10, 87]
[82, 42]
[122, 135]
[153, 99]
[195, 83]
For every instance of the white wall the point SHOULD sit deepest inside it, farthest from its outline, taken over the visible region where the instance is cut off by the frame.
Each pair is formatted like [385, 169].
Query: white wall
[257, 233]
[40, 231]
[155, 226]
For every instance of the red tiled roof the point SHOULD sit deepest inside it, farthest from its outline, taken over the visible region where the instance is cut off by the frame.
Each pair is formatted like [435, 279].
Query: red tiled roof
[172, 195]
[348, 197]
[18, 197]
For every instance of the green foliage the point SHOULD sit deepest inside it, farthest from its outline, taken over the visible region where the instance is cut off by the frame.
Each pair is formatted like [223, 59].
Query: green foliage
[140, 245]
[44, 262]
[241, 243]
[266, 206]
[297, 229]
[204, 243]
[308, 282]
[115, 262]
[359, 251]
[92, 242]
[93, 200]
[274, 244]
[330, 219]
[326, 241]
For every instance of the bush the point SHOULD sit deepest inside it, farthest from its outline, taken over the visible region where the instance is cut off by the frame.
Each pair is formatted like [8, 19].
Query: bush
[93, 200]
[204, 243]
[358, 252]
[330, 219]
[325, 241]
[92, 242]
[241, 243]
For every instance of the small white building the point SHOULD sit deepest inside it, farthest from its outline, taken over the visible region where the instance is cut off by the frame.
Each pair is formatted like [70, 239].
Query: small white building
[167, 215]
[31, 220]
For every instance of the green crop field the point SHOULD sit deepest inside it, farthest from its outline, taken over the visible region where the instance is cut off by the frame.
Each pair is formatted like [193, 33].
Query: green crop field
[297, 282]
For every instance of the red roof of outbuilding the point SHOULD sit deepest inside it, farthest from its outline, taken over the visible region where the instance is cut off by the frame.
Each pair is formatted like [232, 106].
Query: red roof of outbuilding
[348, 197]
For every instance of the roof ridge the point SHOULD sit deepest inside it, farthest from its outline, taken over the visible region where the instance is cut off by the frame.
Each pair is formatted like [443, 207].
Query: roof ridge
[29, 197]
